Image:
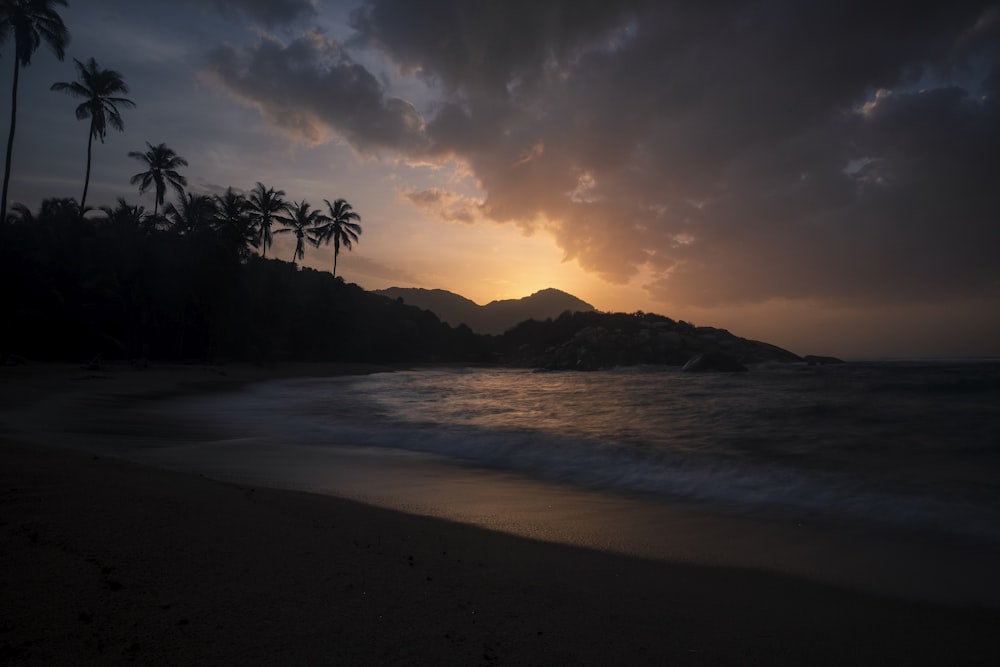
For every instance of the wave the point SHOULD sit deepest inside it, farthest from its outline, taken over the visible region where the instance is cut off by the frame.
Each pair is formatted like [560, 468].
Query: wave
[765, 470]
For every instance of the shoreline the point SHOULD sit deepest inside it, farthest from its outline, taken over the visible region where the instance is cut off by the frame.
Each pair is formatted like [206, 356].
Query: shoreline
[109, 561]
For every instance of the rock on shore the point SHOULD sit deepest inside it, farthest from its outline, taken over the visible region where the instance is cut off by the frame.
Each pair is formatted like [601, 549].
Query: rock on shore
[651, 342]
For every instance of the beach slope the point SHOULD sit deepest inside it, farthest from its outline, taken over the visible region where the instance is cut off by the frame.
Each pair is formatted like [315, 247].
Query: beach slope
[107, 562]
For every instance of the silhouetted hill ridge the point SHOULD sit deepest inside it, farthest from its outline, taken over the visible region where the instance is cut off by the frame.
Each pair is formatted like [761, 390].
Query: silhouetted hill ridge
[495, 317]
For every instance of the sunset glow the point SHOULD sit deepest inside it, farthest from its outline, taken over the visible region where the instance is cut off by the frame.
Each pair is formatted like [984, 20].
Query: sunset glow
[805, 176]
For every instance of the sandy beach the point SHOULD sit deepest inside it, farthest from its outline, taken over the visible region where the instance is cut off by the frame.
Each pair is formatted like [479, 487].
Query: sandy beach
[110, 562]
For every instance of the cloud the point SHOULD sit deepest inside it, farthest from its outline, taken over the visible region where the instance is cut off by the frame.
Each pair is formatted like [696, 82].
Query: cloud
[445, 204]
[732, 153]
[708, 144]
[310, 85]
[485, 45]
[269, 12]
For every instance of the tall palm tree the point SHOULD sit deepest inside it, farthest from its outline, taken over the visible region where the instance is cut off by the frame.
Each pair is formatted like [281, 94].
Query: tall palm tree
[233, 222]
[163, 163]
[265, 206]
[98, 87]
[339, 227]
[31, 22]
[301, 219]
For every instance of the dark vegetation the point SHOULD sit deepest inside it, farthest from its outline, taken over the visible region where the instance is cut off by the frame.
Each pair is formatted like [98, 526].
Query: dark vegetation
[191, 281]
[188, 287]
[129, 286]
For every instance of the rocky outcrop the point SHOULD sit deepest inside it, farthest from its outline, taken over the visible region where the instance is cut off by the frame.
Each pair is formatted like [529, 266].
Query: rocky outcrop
[713, 361]
[656, 341]
[817, 360]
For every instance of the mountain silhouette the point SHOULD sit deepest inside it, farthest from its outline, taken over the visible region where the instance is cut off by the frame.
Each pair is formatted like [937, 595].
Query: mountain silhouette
[495, 317]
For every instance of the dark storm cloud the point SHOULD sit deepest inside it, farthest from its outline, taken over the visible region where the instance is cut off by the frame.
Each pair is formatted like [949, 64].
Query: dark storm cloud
[740, 151]
[269, 12]
[311, 84]
[484, 45]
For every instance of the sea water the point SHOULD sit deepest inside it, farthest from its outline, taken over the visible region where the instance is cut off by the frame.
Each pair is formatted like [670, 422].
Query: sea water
[904, 443]
[882, 476]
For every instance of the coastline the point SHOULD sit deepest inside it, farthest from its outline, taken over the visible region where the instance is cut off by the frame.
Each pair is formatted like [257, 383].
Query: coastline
[108, 561]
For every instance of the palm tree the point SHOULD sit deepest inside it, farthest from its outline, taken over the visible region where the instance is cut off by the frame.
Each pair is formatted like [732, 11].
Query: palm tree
[31, 22]
[98, 88]
[302, 218]
[125, 217]
[21, 214]
[265, 206]
[233, 222]
[64, 208]
[339, 227]
[193, 213]
[163, 163]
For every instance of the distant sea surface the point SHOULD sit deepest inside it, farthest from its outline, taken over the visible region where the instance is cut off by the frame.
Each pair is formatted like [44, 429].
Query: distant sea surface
[911, 444]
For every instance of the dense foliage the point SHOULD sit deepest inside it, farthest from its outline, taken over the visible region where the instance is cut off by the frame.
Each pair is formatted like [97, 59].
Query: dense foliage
[127, 285]
[189, 286]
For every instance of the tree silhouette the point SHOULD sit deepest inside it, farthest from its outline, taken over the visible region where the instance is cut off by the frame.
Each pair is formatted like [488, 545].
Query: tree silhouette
[21, 214]
[109, 286]
[125, 217]
[265, 205]
[163, 163]
[63, 208]
[233, 222]
[301, 219]
[30, 22]
[339, 227]
[193, 213]
[51, 208]
[98, 87]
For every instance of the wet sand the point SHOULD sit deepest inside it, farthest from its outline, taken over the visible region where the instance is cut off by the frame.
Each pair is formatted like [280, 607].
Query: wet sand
[106, 562]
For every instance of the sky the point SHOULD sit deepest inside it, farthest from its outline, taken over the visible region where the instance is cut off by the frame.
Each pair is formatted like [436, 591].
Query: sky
[824, 176]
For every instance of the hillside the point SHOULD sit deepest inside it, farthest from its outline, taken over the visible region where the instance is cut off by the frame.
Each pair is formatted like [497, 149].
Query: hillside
[495, 317]
[117, 289]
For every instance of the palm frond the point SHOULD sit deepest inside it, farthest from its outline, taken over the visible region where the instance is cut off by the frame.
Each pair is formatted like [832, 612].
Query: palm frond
[30, 24]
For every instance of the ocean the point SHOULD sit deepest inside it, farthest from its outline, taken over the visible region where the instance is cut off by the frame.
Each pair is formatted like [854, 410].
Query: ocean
[647, 460]
[906, 443]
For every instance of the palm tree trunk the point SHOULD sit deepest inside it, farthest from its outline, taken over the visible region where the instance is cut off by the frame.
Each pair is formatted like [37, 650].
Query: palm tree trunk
[86, 179]
[10, 139]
